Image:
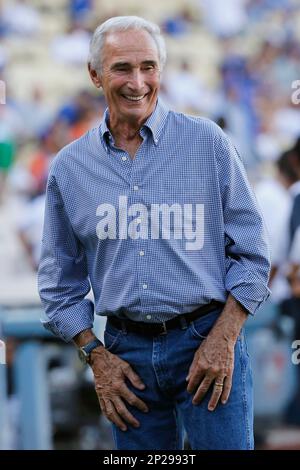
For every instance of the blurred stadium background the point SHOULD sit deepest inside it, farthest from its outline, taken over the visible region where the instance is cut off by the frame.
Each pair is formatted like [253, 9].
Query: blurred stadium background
[234, 61]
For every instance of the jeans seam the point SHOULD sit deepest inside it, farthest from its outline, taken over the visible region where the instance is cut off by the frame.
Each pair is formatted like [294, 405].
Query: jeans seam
[177, 435]
[195, 332]
[193, 328]
[244, 394]
[115, 341]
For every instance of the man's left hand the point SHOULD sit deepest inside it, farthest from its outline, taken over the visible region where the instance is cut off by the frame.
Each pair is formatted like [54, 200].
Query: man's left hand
[213, 361]
[212, 365]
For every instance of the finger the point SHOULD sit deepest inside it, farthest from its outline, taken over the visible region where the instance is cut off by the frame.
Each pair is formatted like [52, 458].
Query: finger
[113, 416]
[216, 395]
[189, 373]
[226, 389]
[133, 400]
[133, 377]
[195, 378]
[125, 413]
[192, 367]
[202, 390]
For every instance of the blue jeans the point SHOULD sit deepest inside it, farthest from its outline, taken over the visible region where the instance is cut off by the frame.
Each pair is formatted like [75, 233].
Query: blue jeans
[163, 362]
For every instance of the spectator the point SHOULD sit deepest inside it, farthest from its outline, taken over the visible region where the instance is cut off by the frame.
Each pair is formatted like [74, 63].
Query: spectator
[20, 19]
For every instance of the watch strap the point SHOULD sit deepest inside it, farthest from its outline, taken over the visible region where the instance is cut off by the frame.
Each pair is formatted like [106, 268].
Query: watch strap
[88, 348]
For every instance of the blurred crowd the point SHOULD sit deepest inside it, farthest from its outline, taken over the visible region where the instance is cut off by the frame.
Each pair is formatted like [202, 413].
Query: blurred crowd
[236, 63]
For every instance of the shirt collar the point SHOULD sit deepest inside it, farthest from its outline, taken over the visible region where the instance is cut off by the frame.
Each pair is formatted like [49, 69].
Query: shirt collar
[104, 130]
[155, 122]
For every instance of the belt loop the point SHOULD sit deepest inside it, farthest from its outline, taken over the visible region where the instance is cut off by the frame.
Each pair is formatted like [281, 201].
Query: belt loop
[164, 326]
[183, 322]
[124, 329]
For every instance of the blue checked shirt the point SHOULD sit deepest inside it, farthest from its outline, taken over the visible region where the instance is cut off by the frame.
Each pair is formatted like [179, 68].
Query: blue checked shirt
[107, 226]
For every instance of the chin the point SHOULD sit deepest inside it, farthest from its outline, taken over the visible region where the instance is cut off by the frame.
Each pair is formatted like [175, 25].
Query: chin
[135, 113]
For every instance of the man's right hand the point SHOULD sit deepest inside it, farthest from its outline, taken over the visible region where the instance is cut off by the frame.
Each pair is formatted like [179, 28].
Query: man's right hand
[110, 373]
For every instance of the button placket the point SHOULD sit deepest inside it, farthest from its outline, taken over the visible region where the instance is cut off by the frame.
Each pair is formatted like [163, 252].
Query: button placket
[136, 197]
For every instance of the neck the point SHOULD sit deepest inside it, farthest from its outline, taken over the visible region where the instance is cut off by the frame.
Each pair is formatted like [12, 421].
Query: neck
[125, 130]
[126, 135]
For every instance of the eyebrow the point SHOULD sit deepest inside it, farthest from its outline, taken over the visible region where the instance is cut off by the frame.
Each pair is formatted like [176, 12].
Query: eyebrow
[122, 64]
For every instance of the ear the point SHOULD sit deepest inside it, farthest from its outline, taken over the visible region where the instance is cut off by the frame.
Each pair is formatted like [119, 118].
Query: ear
[94, 76]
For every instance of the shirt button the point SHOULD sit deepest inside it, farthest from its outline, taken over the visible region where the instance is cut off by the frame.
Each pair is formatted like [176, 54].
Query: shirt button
[139, 221]
[136, 188]
[142, 253]
[145, 286]
[148, 317]
[124, 158]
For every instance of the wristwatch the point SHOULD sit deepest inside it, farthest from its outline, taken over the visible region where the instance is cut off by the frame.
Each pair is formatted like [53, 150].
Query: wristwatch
[84, 352]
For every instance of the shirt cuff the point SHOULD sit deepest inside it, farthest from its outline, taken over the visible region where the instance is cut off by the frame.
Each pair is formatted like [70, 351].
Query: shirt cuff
[71, 320]
[248, 291]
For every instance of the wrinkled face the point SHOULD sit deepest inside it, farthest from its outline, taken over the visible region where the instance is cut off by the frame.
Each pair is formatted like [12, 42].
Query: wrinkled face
[130, 75]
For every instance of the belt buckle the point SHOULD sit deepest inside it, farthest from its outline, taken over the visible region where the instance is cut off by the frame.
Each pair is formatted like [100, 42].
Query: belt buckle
[164, 326]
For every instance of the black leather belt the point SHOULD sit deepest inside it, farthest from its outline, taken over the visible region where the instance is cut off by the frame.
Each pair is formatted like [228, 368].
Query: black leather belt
[154, 329]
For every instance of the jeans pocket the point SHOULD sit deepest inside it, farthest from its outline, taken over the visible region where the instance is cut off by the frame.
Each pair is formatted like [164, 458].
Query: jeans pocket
[201, 327]
[112, 338]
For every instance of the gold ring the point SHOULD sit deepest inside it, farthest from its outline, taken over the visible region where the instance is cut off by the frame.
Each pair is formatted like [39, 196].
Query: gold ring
[218, 384]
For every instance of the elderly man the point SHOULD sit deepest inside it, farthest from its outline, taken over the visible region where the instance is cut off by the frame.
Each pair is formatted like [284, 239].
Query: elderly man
[154, 210]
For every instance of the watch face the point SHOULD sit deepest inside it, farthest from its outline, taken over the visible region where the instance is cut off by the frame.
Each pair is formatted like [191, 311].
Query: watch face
[83, 356]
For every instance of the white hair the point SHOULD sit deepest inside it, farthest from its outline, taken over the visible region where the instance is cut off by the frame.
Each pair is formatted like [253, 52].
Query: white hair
[124, 23]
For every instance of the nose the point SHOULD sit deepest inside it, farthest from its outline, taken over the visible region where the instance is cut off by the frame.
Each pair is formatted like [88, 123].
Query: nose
[136, 82]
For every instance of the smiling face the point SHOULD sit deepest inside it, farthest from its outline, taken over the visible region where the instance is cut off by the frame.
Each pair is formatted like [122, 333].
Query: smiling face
[130, 75]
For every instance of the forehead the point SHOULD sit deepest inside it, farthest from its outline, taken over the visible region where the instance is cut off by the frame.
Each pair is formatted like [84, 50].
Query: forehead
[129, 45]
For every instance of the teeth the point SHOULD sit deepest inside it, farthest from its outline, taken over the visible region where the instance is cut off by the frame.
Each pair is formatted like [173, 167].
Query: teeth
[134, 98]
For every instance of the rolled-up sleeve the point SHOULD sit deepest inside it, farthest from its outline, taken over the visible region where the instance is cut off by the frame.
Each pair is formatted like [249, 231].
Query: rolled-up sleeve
[246, 242]
[63, 279]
